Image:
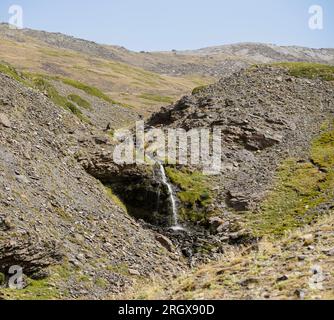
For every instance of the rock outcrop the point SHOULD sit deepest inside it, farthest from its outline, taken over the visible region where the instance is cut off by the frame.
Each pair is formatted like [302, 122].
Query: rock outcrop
[265, 115]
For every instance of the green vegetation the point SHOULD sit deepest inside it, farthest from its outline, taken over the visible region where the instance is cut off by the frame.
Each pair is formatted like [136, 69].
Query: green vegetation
[92, 91]
[36, 290]
[102, 283]
[301, 187]
[80, 101]
[156, 98]
[122, 268]
[115, 198]
[309, 70]
[44, 85]
[195, 193]
[12, 72]
[42, 289]
[198, 90]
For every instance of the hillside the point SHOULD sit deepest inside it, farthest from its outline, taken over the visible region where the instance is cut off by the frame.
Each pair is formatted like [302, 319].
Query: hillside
[56, 221]
[84, 226]
[145, 80]
[49, 156]
[300, 266]
[143, 90]
[212, 61]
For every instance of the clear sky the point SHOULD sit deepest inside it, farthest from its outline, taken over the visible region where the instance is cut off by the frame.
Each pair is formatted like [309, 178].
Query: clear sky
[179, 24]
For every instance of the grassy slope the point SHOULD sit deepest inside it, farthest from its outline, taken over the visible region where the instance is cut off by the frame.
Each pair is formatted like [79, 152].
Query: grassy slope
[282, 269]
[130, 85]
[301, 188]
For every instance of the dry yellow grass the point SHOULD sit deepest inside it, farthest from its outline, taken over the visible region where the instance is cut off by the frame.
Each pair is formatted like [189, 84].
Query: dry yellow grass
[144, 90]
[295, 267]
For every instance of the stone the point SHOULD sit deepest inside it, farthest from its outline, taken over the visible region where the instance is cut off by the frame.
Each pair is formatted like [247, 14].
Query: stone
[4, 120]
[215, 223]
[282, 278]
[238, 201]
[329, 253]
[308, 239]
[134, 272]
[101, 140]
[22, 179]
[165, 242]
[300, 293]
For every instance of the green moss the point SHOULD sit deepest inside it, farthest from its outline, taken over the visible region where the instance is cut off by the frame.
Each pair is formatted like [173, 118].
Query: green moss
[115, 198]
[36, 290]
[80, 101]
[322, 152]
[45, 86]
[300, 188]
[195, 193]
[92, 91]
[156, 98]
[309, 70]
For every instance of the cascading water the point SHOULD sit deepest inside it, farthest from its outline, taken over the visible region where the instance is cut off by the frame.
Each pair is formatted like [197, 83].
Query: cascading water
[176, 226]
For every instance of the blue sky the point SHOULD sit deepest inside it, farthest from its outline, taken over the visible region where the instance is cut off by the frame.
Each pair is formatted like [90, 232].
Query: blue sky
[179, 24]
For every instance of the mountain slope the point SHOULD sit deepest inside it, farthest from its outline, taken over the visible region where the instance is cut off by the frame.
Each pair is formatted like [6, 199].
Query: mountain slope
[145, 80]
[57, 222]
[127, 84]
[206, 61]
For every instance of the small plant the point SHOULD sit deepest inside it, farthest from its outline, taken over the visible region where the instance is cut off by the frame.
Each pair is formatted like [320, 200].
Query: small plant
[115, 198]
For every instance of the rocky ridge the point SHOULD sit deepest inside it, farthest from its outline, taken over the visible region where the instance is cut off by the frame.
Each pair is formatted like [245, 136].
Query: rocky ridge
[216, 61]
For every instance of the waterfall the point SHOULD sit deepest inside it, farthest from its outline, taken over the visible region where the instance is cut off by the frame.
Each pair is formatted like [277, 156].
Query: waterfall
[176, 226]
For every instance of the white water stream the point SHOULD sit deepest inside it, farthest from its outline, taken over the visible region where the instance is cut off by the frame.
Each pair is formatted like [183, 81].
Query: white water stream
[176, 226]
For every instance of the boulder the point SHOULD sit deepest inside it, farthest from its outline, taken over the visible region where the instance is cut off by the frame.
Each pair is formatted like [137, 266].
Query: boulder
[165, 242]
[4, 121]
